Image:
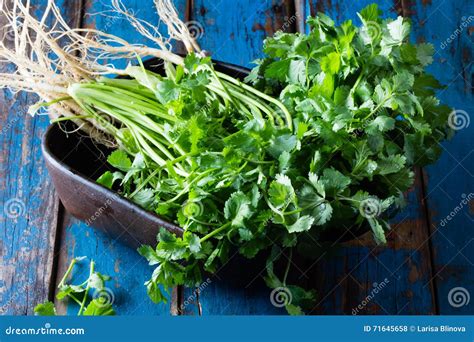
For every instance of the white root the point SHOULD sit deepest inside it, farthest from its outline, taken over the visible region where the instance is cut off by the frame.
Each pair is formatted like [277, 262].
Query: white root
[176, 28]
[47, 55]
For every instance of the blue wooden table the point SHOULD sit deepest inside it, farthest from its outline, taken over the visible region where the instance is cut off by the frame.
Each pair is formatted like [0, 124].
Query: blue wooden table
[429, 255]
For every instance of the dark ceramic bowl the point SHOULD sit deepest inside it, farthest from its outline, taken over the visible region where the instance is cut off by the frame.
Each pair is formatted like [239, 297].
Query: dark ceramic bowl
[75, 162]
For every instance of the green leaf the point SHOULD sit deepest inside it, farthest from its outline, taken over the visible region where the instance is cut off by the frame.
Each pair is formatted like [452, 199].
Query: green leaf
[99, 307]
[97, 281]
[322, 213]
[106, 179]
[399, 29]
[371, 12]
[403, 81]
[390, 164]
[303, 224]
[381, 123]
[144, 198]
[155, 293]
[119, 159]
[377, 230]
[282, 143]
[424, 53]
[149, 253]
[331, 63]
[193, 242]
[45, 309]
[278, 70]
[297, 71]
[166, 91]
[281, 192]
[334, 181]
[237, 209]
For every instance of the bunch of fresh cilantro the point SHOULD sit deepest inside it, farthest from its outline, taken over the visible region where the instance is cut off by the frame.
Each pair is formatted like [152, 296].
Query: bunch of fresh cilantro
[348, 112]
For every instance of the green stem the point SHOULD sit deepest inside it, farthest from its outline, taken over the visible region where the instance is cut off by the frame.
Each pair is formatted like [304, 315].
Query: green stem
[376, 109]
[288, 118]
[287, 270]
[68, 271]
[86, 292]
[142, 184]
[215, 232]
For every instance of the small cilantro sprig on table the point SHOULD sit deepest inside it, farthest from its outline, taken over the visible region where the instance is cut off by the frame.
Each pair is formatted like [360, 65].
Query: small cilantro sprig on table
[324, 142]
[80, 294]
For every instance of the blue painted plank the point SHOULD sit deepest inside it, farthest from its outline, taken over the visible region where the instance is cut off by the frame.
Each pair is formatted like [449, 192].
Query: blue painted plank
[128, 269]
[28, 204]
[233, 31]
[450, 182]
[28, 209]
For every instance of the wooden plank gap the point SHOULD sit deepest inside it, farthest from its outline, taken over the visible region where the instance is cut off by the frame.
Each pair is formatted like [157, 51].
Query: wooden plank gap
[55, 276]
[430, 231]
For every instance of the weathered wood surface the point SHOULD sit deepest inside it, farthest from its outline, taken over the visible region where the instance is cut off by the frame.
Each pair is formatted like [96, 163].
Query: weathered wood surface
[426, 256]
[449, 183]
[29, 207]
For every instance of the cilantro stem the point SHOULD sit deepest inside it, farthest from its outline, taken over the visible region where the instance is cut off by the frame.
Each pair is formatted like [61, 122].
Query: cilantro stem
[377, 108]
[215, 232]
[287, 270]
[288, 117]
[86, 292]
[36, 106]
[68, 271]
[74, 298]
[143, 183]
[188, 186]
